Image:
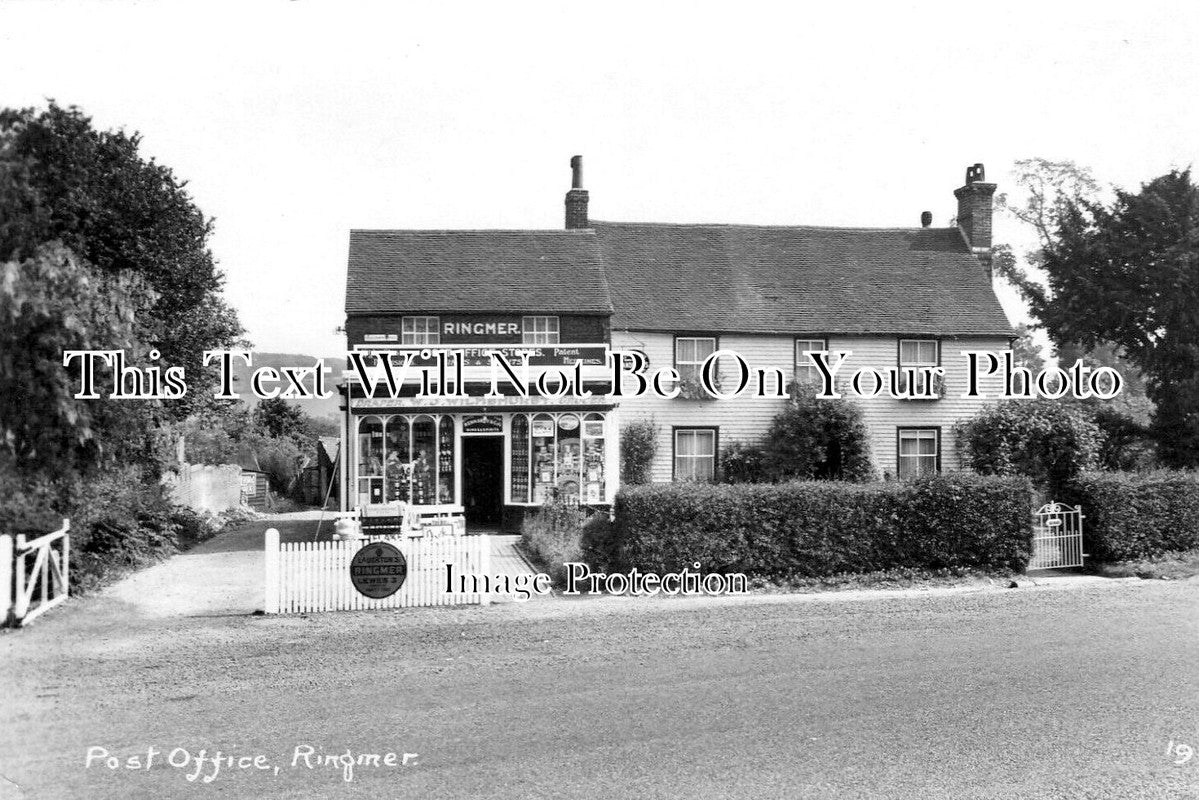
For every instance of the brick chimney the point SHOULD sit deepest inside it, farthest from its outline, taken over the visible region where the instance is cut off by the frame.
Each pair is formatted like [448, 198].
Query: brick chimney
[576, 198]
[974, 213]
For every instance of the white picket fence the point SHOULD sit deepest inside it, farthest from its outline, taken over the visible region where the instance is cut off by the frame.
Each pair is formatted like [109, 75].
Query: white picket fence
[315, 576]
[30, 590]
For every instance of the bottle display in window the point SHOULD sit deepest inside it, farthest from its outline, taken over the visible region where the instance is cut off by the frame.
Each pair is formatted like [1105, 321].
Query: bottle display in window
[445, 461]
[544, 457]
[520, 459]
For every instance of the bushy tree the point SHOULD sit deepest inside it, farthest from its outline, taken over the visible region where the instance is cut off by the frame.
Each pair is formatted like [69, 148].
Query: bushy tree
[1049, 441]
[814, 438]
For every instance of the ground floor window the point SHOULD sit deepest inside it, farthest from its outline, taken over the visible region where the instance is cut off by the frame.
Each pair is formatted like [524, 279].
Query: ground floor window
[406, 458]
[560, 455]
[919, 451]
[694, 454]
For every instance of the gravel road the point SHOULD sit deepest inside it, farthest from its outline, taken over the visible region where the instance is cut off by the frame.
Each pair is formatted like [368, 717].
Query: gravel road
[1038, 692]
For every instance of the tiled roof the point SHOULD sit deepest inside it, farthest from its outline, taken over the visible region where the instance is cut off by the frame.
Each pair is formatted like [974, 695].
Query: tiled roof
[717, 278]
[475, 271]
[763, 279]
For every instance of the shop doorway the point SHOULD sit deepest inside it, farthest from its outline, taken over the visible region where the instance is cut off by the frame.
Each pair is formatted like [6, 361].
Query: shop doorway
[483, 479]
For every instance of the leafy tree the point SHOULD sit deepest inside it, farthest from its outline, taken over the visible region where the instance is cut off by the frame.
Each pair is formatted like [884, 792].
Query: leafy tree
[1127, 273]
[278, 418]
[51, 302]
[1025, 351]
[62, 180]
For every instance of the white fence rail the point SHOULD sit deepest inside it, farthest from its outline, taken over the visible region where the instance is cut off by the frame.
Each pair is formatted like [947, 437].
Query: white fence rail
[34, 574]
[315, 576]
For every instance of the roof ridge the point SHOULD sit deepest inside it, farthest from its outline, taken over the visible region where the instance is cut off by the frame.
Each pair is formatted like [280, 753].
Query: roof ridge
[753, 226]
[459, 231]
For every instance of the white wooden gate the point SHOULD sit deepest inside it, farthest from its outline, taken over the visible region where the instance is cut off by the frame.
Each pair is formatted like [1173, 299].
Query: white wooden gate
[1057, 537]
[315, 576]
[34, 574]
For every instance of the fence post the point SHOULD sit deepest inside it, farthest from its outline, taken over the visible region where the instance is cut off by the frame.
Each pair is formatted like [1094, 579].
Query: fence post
[66, 556]
[21, 603]
[271, 583]
[485, 567]
[6, 578]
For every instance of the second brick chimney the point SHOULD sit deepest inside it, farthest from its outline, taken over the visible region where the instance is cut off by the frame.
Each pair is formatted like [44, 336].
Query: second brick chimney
[974, 213]
[576, 198]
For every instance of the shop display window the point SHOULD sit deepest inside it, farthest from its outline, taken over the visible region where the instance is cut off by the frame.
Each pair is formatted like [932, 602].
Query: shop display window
[406, 459]
[558, 455]
[593, 459]
[370, 460]
[424, 475]
[398, 460]
[543, 457]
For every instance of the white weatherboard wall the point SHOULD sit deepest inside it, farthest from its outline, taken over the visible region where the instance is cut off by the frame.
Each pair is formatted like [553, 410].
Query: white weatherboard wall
[747, 418]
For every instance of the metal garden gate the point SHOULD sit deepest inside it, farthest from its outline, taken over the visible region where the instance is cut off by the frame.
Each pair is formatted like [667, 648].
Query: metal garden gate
[1057, 537]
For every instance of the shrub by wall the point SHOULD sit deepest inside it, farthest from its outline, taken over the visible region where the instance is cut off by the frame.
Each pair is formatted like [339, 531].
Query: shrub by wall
[1130, 515]
[638, 446]
[815, 529]
[1050, 441]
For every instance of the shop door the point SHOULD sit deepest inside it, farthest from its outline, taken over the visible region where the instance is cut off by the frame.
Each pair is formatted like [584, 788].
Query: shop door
[483, 479]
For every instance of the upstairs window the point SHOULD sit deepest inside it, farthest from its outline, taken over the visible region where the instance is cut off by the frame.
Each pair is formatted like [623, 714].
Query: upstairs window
[805, 370]
[539, 330]
[915, 354]
[421, 331]
[690, 353]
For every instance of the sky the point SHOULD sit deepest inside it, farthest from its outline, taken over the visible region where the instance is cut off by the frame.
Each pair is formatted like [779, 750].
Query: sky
[294, 121]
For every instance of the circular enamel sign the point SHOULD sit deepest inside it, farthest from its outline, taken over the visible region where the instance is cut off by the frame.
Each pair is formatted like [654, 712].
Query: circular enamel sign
[378, 570]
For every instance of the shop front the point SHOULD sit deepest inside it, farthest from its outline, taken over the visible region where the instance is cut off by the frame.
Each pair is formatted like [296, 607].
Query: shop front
[485, 462]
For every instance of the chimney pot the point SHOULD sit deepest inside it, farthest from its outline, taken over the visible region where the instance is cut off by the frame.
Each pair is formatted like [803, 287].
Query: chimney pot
[926, 219]
[576, 172]
[576, 198]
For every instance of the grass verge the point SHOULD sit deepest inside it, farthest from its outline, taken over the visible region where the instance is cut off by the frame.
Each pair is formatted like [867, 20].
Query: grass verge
[1167, 566]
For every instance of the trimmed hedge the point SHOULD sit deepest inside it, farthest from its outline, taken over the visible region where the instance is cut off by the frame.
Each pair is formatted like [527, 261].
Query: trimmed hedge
[1130, 515]
[821, 528]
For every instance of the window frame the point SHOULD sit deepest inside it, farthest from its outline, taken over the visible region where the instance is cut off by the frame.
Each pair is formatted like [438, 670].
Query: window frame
[916, 429]
[920, 388]
[528, 336]
[674, 449]
[411, 337]
[692, 337]
[811, 373]
[936, 346]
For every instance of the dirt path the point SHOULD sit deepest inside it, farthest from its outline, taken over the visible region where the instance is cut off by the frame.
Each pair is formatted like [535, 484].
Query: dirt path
[221, 576]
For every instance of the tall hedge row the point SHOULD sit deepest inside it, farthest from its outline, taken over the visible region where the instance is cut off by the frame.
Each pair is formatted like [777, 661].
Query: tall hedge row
[812, 529]
[1130, 515]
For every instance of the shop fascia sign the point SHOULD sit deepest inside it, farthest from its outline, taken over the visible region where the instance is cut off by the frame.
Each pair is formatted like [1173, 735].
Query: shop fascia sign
[480, 355]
